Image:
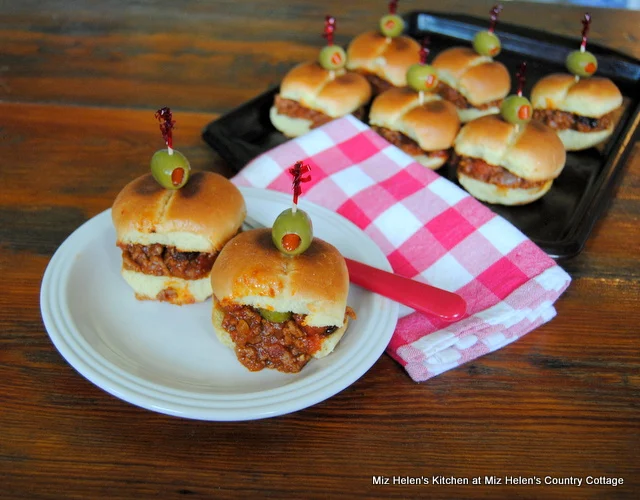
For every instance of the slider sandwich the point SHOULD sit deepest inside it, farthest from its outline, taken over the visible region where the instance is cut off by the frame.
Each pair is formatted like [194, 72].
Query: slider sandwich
[580, 107]
[470, 78]
[415, 119]
[508, 159]
[314, 93]
[171, 238]
[310, 97]
[384, 56]
[280, 295]
[277, 311]
[171, 226]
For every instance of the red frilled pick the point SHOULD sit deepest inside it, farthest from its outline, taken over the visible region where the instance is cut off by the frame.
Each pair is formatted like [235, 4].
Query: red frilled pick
[495, 13]
[164, 116]
[329, 28]
[298, 171]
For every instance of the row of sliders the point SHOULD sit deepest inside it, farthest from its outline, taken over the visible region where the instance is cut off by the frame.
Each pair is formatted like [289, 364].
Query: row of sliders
[422, 113]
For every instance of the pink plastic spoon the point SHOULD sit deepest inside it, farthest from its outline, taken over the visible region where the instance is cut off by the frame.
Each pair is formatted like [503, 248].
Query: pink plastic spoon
[419, 296]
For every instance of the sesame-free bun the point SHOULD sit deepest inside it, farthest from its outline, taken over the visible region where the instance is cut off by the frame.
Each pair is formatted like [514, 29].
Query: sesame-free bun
[311, 85]
[251, 271]
[532, 151]
[168, 288]
[200, 217]
[577, 141]
[289, 126]
[592, 97]
[329, 342]
[431, 162]
[492, 193]
[433, 124]
[470, 114]
[388, 58]
[478, 78]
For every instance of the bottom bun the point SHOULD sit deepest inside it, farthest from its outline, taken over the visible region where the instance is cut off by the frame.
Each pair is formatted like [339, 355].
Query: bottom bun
[491, 193]
[470, 114]
[168, 289]
[291, 127]
[577, 141]
[328, 344]
[432, 162]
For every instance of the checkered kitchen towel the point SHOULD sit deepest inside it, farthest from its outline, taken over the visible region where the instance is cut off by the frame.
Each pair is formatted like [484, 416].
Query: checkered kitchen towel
[430, 230]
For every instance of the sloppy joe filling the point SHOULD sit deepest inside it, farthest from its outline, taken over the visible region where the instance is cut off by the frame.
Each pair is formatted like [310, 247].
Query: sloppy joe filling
[459, 101]
[161, 260]
[260, 343]
[378, 85]
[407, 144]
[493, 174]
[294, 109]
[563, 120]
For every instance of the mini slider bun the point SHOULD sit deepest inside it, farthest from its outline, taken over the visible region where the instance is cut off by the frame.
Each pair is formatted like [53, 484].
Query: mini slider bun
[531, 151]
[198, 218]
[385, 57]
[592, 97]
[433, 125]
[315, 90]
[251, 271]
[477, 78]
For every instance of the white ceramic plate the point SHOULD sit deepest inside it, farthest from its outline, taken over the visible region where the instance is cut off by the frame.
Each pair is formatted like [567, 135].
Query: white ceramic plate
[167, 359]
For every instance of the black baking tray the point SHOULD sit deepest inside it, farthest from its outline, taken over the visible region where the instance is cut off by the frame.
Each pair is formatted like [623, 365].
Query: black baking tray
[561, 221]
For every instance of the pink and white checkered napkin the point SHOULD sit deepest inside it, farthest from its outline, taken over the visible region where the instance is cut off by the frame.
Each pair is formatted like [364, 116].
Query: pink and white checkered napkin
[430, 230]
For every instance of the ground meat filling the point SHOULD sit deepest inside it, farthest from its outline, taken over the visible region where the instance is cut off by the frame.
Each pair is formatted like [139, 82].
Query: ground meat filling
[378, 85]
[407, 144]
[294, 109]
[161, 260]
[493, 174]
[260, 343]
[459, 101]
[563, 120]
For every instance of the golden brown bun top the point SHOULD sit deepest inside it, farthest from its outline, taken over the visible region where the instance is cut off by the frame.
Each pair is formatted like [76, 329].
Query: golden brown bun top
[311, 85]
[478, 78]
[433, 124]
[532, 151]
[592, 97]
[388, 58]
[201, 216]
[250, 270]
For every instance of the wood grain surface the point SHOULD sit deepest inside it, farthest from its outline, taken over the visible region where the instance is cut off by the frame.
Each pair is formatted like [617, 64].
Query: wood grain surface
[79, 82]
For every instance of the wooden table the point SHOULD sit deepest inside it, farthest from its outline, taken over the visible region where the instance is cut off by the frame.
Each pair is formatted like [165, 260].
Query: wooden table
[79, 82]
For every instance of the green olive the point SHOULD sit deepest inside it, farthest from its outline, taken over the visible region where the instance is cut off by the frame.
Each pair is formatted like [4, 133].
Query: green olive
[516, 109]
[332, 57]
[391, 25]
[486, 43]
[170, 170]
[292, 232]
[275, 316]
[583, 64]
[422, 77]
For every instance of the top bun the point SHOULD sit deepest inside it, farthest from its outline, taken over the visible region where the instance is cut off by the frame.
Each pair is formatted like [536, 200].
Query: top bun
[591, 97]
[311, 85]
[433, 124]
[533, 151]
[199, 217]
[251, 271]
[478, 78]
[388, 58]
